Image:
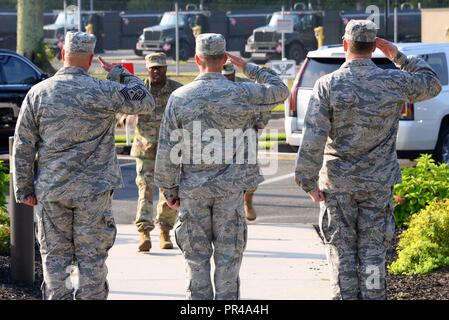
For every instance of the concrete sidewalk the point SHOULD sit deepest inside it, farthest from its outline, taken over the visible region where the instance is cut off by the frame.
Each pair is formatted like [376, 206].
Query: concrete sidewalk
[281, 261]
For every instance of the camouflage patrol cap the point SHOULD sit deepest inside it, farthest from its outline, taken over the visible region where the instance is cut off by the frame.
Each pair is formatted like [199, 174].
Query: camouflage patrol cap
[76, 41]
[361, 30]
[158, 59]
[210, 44]
[228, 68]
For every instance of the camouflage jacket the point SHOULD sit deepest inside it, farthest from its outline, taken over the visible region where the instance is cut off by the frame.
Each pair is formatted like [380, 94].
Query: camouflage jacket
[262, 118]
[68, 121]
[147, 128]
[212, 105]
[352, 121]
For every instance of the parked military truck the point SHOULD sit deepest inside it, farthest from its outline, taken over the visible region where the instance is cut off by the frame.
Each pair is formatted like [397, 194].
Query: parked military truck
[265, 42]
[235, 26]
[118, 29]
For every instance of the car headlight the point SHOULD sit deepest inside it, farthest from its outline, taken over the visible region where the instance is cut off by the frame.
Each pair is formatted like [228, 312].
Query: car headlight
[141, 37]
[251, 39]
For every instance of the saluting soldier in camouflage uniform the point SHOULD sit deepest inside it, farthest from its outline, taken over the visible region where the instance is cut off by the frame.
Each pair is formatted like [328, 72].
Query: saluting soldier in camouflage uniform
[68, 122]
[352, 121]
[144, 150]
[211, 220]
[260, 122]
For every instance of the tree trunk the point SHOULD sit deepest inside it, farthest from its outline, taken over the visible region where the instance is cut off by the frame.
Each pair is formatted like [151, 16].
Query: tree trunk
[30, 33]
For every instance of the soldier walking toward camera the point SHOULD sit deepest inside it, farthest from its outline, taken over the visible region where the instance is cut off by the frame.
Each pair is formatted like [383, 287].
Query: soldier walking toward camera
[144, 150]
[260, 121]
[68, 122]
[352, 121]
[210, 193]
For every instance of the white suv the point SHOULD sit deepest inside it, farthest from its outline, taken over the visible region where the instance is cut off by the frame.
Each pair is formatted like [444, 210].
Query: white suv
[424, 126]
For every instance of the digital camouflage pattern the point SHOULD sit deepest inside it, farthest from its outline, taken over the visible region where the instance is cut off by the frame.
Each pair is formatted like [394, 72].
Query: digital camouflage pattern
[76, 41]
[361, 31]
[357, 230]
[68, 121]
[211, 217]
[156, 59]
[144, 149]
[353, 116]
[218, 104]
[210, 44]
[77, 232]
[199, 236]
[350, 134]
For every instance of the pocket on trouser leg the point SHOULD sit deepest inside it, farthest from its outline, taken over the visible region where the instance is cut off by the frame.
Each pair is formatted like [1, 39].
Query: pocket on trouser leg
[110, 230]
[327, 225]
[242, 232]
[40, 233]
[183, 233]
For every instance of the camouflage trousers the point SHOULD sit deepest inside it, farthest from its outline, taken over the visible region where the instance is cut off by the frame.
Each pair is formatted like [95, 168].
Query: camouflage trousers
[212, 227]
[357, 229]
[166, 217]
[79, 232]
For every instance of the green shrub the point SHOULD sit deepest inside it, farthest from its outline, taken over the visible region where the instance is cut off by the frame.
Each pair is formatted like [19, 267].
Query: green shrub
[424, 246]
[4, 232]
[4, 218]
[420, 185]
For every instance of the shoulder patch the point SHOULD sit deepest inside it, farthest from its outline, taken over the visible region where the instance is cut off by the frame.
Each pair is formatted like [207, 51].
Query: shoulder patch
[135, 93]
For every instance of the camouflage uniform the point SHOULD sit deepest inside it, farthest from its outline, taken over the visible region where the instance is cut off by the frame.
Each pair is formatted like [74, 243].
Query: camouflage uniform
[68, 121]
[211, 214]
[144, 149]
[352, 121]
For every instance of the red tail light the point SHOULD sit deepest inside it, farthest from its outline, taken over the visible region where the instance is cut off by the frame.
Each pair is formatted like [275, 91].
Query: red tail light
[408, 111]
[294, 92]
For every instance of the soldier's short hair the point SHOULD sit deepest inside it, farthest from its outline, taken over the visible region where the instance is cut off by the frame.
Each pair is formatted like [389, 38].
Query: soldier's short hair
[213, 59]
[360, 47]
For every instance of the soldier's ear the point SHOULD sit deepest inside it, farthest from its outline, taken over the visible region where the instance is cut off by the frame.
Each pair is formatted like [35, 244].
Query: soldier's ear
[345, 45]
[62, 54]
[197, 60]
[90, 59]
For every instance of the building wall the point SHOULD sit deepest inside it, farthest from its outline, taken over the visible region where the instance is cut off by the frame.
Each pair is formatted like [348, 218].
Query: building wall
[434, 25]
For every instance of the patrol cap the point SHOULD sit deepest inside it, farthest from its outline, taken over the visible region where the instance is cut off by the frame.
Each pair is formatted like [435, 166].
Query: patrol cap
[158, 59]
[228, 68]
[210, 44]
[76, 41]
[361, 30]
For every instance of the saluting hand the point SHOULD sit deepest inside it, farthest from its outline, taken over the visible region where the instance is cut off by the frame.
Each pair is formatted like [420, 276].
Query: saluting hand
[106, 66]
[236, 61]
[388, 48]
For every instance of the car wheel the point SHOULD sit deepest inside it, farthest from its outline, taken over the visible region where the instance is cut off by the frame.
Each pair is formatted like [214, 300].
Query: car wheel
[296, 52]
[442, 149]
[138, 52]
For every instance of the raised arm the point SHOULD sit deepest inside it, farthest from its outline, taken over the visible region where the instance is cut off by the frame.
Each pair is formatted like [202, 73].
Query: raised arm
[127, 93]
[417, 80]
[269, 89]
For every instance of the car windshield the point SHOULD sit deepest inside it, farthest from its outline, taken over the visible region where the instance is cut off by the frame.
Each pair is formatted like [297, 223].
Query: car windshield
[318, 67]
[169, 19]
[276, 17]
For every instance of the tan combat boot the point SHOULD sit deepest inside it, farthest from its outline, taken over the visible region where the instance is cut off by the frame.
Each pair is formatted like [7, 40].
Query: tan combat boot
[145, 241]
[250, 213]
[164, 239]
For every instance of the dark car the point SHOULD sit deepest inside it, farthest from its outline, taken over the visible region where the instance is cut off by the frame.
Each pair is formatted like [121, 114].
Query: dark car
[17, 76]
